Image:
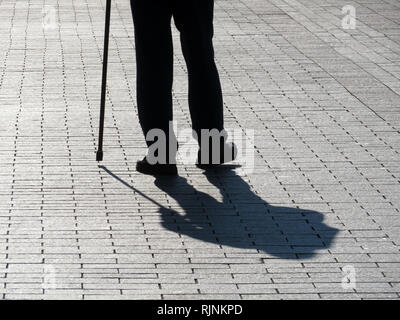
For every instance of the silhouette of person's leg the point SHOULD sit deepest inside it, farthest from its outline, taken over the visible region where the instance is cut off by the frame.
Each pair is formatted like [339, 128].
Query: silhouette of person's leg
[154, 58]
[194, 20]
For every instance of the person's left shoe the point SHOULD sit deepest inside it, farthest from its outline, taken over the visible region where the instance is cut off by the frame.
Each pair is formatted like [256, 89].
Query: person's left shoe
[143, 166]
[228, 152]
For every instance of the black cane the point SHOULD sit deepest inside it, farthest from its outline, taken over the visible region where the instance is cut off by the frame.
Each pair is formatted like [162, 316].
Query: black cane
[99, 155]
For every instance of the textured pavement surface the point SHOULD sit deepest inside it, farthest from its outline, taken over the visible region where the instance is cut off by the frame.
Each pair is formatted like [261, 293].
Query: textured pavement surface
[317, 218]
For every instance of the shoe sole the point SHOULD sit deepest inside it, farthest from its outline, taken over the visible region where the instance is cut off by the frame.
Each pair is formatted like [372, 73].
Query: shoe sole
[155, 172]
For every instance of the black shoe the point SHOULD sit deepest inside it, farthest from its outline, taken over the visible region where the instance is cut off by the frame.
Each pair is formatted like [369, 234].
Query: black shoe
[228, 153]
[143, 166]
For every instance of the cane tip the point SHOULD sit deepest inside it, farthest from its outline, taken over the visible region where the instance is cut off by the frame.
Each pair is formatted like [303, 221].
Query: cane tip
[99, 156]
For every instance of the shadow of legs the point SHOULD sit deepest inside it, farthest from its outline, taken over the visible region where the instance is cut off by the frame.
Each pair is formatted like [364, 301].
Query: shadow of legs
[240, 218]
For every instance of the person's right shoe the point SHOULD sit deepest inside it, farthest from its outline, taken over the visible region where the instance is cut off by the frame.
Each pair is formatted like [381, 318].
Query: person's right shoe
[143, 166]
[228, 152]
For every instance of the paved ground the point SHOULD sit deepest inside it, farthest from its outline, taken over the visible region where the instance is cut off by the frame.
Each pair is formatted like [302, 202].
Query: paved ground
[318, 217]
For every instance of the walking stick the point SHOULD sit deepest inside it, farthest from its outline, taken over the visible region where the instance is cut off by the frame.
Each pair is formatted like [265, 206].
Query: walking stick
[99, 155]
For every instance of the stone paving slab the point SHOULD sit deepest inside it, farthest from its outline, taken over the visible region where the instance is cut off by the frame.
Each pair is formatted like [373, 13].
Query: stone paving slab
[318, 216]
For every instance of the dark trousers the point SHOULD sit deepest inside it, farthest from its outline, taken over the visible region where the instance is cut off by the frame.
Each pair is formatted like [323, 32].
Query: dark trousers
[154, 55]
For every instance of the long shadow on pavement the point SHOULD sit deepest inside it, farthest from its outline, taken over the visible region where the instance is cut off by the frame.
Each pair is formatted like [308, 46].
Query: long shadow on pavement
[241, 219]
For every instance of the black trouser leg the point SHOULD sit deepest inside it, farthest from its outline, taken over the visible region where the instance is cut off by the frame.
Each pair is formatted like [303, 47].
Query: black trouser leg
[194, 20]
[154, 58]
